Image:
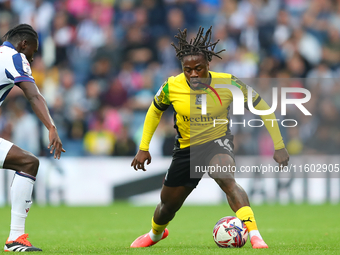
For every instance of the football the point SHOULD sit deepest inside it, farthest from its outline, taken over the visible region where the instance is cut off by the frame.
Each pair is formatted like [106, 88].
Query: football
[230, 232]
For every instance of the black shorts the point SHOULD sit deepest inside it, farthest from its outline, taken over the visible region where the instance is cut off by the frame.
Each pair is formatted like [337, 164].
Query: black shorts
[182, 161]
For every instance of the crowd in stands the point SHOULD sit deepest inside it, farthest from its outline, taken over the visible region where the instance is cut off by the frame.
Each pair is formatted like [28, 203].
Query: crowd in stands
[100, 62]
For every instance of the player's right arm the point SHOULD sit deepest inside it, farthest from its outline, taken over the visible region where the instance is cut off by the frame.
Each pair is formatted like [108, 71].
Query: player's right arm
[19, 72]
[160, 103]
[39, 107]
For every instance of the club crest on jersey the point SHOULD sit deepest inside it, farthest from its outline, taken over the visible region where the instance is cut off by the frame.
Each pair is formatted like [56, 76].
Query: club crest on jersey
[212, 89]
[198, 99]
[26, 67]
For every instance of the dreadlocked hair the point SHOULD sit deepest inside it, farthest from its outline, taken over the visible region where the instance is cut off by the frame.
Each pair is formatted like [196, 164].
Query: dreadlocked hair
[21, 32]
[201, 44]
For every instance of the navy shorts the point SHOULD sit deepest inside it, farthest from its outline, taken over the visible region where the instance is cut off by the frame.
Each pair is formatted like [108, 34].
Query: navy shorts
[182, 161]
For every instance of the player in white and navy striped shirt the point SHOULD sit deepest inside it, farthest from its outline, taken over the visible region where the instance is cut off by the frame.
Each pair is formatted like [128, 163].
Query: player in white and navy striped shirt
[16, 54]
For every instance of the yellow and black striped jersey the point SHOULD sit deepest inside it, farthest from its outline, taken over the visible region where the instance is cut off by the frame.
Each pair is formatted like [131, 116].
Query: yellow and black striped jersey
[194, 128]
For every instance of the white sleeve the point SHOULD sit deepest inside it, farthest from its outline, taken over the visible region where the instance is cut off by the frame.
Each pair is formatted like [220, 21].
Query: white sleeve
[21, 70]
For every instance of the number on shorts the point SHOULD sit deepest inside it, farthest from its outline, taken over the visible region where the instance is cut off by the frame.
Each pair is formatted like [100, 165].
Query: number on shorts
[224, 144]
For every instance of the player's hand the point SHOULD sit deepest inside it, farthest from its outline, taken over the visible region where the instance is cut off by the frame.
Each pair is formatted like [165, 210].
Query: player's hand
[282, 157]
[55, 143]
[139, 160]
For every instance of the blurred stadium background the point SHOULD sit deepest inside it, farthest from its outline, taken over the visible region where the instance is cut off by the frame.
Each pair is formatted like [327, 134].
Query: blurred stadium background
[100, 63]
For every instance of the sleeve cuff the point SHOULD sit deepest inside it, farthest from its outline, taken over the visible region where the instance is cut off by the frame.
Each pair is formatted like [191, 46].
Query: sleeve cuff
[143, 148]
[279, 146]
[23, 78]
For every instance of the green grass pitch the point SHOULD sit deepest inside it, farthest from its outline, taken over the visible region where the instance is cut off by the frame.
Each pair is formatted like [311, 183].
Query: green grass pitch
[292, 229]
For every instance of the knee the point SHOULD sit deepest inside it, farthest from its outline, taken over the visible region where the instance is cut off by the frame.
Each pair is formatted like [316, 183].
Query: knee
[227, 182]
[31, 165]
[222, 167]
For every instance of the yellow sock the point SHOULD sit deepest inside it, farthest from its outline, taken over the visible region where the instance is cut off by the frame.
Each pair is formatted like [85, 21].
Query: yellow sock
[246, 214]
[157, 229]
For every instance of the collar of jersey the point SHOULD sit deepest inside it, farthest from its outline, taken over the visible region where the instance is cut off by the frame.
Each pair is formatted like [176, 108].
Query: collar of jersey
[8, 44]
[204, 89]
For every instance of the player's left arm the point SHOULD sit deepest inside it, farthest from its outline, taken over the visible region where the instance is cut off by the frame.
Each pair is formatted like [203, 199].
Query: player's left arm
[39, 107]
[281, 155]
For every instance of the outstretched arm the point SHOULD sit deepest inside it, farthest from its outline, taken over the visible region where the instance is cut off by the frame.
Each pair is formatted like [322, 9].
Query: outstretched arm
[39, 107]
[151, 122]
[281, 155]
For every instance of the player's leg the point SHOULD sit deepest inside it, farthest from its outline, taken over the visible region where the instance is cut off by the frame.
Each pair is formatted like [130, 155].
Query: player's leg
[172, 198]
[177, 187]
[237, 198]
[26, 166]
[236, 195]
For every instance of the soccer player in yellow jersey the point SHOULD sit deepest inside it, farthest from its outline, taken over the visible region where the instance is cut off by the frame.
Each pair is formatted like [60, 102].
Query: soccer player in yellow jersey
[198, 140]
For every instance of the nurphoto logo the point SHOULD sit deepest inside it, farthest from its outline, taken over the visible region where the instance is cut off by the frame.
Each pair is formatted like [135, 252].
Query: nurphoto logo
[238, 100]
[238, 104]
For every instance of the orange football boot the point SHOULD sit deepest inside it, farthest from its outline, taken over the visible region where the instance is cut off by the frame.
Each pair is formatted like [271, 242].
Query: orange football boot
[258, 243]
[146, 241]
[21, 244]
